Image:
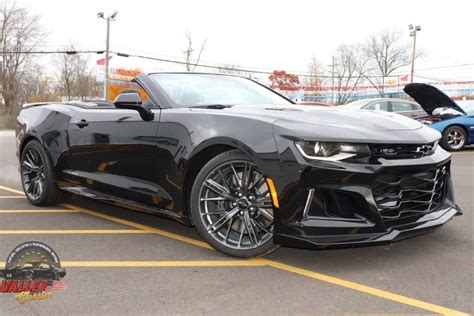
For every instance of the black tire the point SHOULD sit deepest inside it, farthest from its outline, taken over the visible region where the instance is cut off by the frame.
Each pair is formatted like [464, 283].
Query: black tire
[259, 243]
[47, 193]
[454, 138]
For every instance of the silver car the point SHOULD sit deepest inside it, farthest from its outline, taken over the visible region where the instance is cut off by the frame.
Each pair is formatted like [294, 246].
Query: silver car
[400, 106]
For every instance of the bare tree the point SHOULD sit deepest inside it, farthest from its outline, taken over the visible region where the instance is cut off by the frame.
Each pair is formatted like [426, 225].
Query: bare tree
[350, 66]
[188, 53]
[386, 53]
[37, 85]
[20, 33]
[74, 79]
[315, 69]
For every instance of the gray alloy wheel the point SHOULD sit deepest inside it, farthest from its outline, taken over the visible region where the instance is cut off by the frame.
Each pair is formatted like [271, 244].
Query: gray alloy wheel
[32, 172]
[454, 138]
[37, 177]
[232, 208]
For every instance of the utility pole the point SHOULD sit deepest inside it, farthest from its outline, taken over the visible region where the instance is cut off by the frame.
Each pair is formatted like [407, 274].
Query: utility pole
[107, 52]
[333, 71]
[414, 30]
[101, 15]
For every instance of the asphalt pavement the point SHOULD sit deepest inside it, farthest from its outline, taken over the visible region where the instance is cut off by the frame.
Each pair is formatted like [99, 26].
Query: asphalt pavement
[124, 262]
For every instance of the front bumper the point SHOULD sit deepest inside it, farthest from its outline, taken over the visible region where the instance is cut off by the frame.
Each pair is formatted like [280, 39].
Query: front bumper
[422, 226]
[334, 204]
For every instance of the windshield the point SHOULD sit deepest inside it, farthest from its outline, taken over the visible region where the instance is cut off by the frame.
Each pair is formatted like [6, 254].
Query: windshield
[194, 90]
[355, 104]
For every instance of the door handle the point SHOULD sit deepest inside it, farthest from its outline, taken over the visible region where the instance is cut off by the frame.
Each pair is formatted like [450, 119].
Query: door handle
[81, 123]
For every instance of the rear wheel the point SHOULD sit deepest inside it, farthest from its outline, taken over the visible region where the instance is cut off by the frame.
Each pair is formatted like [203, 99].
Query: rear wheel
[231, 206]
[37, 177]
[454, 138]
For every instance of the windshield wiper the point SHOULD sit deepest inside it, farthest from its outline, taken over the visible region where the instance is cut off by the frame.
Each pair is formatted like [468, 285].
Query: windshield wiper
[213, 106]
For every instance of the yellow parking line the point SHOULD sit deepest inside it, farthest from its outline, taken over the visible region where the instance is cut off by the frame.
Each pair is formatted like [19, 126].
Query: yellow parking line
[11, 190]
[118, 264]
[259, 262]
[147, 264]
[275, 264]
[142, 227]
[362, 288]
[39, 210]
[11, 197]
[71, 231]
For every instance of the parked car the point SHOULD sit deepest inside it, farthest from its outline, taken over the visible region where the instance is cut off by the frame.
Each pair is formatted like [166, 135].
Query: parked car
[240, 162]
[400, 106]
[454, 122]
[312, 103]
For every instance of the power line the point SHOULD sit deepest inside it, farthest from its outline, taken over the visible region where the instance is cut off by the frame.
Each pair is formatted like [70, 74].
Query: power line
[305, 75]
[450, 66]
[174, 61]
[420, 75]
[67, 52]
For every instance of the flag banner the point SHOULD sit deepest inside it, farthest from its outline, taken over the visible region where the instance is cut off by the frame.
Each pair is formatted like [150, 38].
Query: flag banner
[101, 62]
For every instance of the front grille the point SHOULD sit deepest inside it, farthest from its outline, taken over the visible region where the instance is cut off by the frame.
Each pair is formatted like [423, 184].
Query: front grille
[401, 196]
[402, 151]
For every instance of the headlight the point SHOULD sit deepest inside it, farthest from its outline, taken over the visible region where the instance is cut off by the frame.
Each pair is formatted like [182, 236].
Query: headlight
[332, 151]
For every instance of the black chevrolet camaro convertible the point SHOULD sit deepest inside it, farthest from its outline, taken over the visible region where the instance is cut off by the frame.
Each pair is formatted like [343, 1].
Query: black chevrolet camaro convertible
[247, 167]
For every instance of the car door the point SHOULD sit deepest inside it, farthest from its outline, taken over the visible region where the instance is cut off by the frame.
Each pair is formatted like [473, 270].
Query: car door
[378, 106]
[418, 111]
[113, 151]
[407, 109]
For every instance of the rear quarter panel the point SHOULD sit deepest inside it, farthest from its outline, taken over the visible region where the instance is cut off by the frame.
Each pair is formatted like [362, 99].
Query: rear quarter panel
[47, 124]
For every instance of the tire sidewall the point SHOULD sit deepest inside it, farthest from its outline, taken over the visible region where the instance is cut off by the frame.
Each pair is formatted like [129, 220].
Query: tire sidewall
[445, 138]
[194, 202]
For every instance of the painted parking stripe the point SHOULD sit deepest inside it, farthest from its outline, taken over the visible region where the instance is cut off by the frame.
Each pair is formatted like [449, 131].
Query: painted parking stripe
[5, 197]
[11, 190]
[38, 211]
[362, 288]
[308, 273]
[138, 264]
[158, 264]
[281, 266]
[71, 231]
[142, 227]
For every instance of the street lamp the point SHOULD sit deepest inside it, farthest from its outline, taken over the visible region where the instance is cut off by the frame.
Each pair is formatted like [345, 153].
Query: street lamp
[413, 31]
[111, 17]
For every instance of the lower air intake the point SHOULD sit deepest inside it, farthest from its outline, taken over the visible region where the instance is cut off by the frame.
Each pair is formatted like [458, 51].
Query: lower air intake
[400, 196]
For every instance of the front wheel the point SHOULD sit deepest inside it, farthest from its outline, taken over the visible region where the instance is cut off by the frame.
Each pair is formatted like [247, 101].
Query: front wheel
[454, 138]
[231, 206]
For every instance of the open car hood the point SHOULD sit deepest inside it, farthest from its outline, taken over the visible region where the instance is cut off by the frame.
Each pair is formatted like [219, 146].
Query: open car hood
[430, 98]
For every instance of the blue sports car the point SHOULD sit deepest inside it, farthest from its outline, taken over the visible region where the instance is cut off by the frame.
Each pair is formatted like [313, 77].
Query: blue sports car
[455, 123]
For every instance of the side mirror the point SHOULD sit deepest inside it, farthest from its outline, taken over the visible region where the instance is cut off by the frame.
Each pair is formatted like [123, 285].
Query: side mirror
[132, 101]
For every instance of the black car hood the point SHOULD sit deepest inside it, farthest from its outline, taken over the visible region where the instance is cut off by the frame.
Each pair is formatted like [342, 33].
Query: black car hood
[330, 117]
[430, 98]
[331, 123]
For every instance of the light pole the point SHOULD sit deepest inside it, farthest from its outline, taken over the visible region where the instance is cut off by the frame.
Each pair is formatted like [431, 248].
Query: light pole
[111, 17]
[413, 31]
